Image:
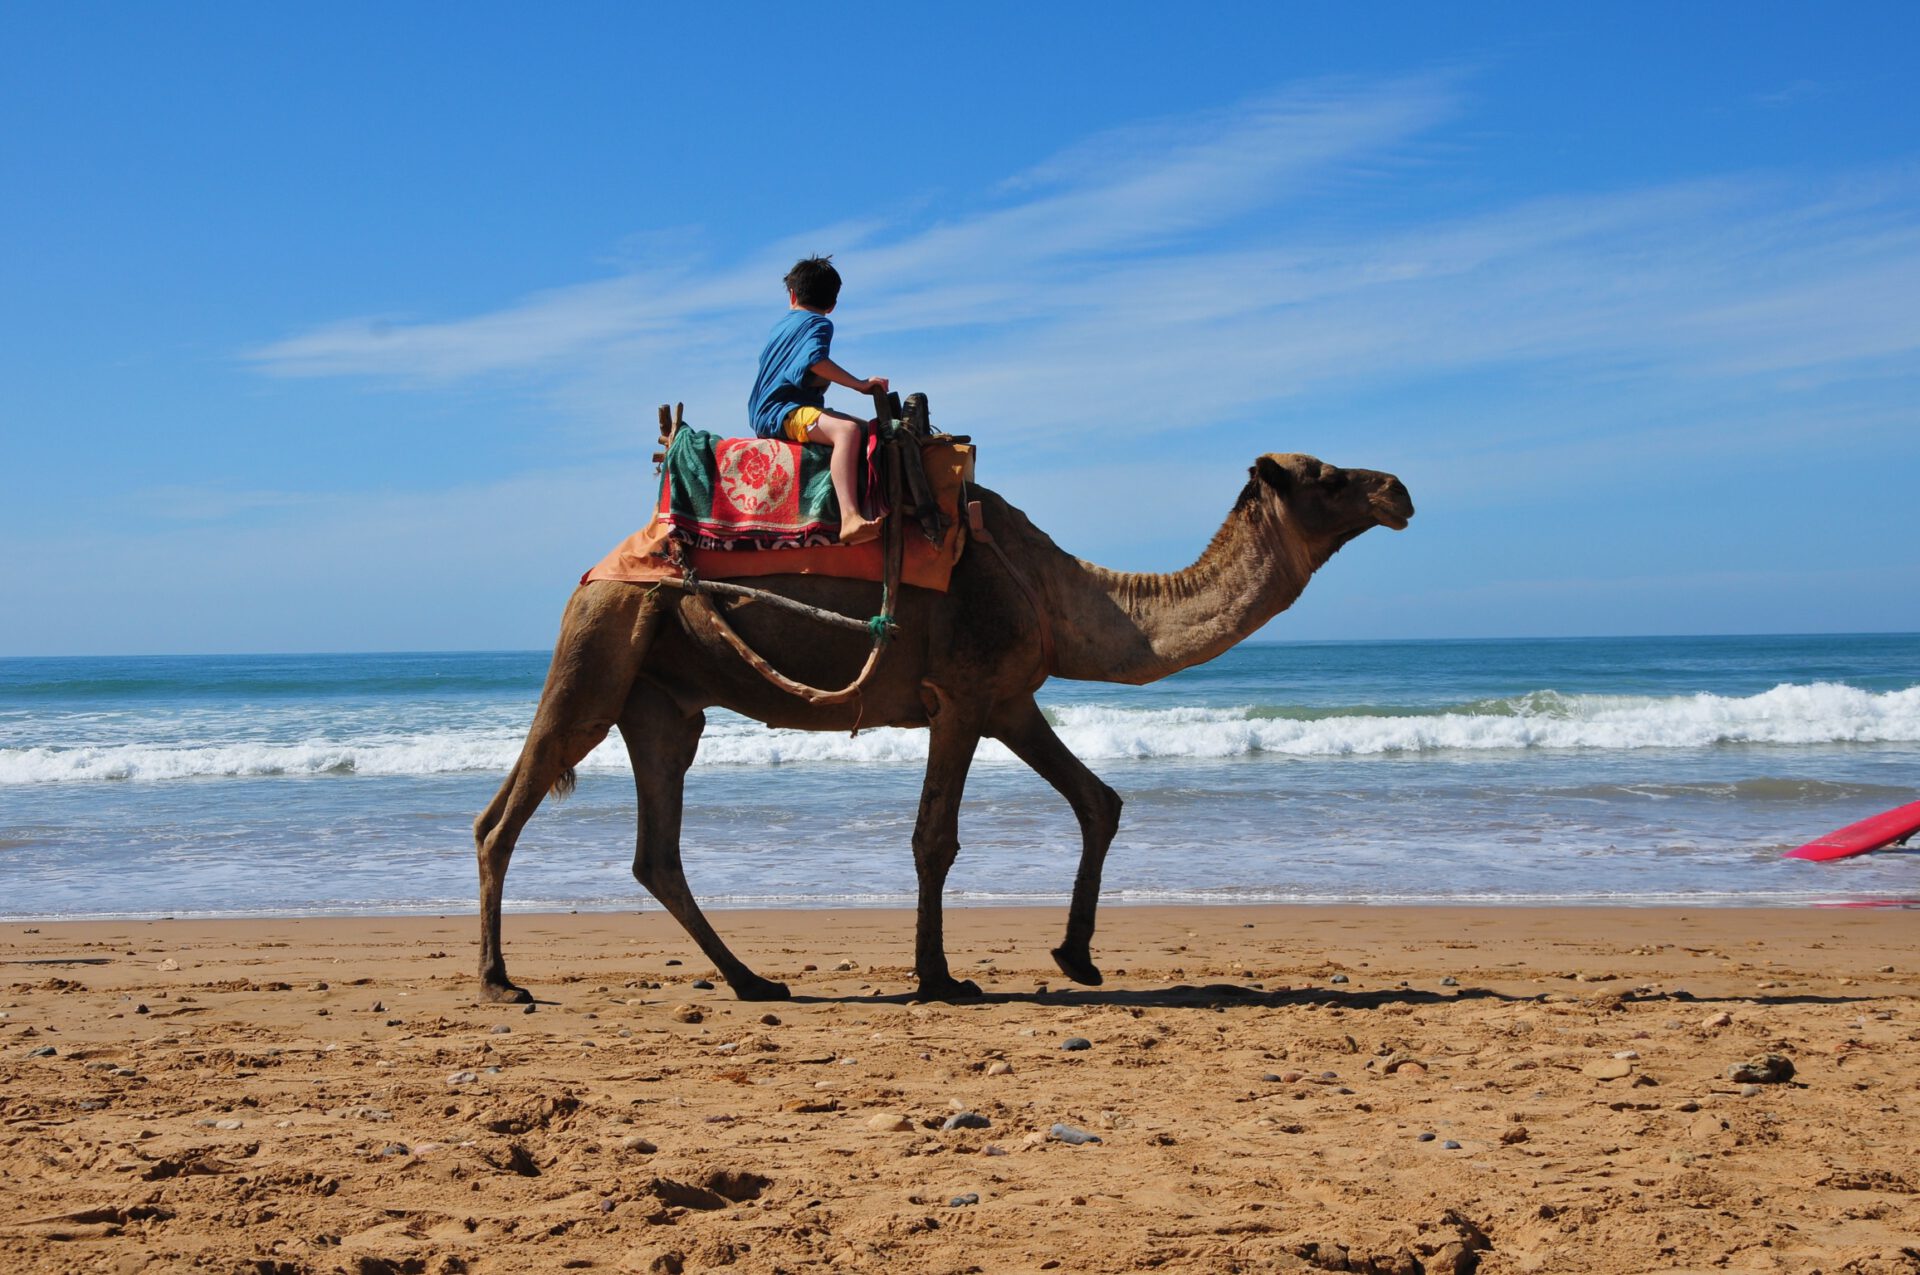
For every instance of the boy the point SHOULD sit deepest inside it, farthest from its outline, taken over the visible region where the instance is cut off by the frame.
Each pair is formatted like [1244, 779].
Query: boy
[789, 396]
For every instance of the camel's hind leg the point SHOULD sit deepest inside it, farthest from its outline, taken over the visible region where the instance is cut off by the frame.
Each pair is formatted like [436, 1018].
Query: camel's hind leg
[1023, 728]
[661, 739]
[593, 667]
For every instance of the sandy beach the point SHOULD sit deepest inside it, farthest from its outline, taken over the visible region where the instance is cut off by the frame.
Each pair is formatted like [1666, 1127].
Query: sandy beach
[1363, 1089]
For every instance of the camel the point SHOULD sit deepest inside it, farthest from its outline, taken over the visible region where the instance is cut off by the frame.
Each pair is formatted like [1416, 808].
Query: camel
[965, 666]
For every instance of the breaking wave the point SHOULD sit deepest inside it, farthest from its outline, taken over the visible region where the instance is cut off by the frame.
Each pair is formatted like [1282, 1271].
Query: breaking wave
[1815, 713]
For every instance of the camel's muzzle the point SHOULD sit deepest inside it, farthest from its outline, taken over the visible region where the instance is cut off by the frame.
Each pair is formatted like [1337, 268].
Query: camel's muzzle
[1392, 505]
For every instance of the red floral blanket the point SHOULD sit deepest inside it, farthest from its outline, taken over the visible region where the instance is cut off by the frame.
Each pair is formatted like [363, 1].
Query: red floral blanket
[753, 493]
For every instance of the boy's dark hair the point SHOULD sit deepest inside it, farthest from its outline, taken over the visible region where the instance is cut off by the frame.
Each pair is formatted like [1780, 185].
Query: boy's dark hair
[814, 283]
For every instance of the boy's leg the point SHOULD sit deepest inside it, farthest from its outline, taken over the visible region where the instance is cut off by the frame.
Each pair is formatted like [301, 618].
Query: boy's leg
[844, 433]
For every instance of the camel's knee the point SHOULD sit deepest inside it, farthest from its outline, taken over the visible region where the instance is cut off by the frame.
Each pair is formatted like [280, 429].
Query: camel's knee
[935, 852]
[492, 843]
[489, 819]
[659, 872]
[1103, 818]
[493, 852]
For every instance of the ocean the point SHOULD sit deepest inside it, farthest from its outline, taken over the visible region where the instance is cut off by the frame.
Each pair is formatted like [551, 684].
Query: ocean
[1619, 771]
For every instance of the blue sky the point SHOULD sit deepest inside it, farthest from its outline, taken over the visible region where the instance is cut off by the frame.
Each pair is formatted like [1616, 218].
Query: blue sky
[341, 327]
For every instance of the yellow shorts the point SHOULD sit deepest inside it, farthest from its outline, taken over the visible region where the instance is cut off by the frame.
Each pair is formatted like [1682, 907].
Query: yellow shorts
[798, 422]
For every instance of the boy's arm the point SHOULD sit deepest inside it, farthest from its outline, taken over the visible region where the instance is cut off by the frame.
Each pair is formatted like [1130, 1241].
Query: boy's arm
[828, 370]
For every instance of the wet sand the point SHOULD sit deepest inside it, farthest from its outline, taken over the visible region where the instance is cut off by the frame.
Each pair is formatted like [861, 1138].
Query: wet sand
[1272, 1089]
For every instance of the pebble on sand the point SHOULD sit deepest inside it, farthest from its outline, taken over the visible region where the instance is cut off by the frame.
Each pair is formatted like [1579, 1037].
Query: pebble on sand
[462, 1078]
[1609, 1069]
[1073, 1044]
[961, 1201]
[965, 1120]
[704, 985]
[999, 1067]
[1072, 1135]
[1338, 978]
[1762, 1069]
[888, 1122]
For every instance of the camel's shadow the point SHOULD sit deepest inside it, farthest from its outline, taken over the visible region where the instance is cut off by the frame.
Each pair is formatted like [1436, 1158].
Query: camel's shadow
[1184, 996]
[1235, 995]
[1239, 996]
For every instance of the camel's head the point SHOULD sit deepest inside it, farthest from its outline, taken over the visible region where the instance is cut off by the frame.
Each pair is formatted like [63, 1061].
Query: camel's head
[1323, 500]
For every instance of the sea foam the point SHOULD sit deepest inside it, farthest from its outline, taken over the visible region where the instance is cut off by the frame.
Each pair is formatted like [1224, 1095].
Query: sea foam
[1802, 714]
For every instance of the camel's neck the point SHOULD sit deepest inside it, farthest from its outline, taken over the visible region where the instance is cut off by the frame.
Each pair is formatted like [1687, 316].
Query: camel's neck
[1114, 626]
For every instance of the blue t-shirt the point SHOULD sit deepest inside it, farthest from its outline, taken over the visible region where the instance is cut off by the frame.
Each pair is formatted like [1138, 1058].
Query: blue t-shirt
[798, 341]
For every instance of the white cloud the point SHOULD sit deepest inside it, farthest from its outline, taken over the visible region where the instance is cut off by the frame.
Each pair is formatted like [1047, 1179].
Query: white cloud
[1155, 279]
[997, 266]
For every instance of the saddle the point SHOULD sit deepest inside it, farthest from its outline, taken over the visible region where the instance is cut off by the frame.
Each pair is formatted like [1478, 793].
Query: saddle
[735, 508]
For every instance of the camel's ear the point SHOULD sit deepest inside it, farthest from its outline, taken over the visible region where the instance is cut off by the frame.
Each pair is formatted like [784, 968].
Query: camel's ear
[1271, 472]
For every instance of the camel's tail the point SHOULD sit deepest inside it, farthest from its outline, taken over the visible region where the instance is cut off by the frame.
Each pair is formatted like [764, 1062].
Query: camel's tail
[565, 784]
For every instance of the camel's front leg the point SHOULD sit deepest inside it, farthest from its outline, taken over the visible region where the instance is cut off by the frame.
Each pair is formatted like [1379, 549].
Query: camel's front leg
[1022, 727]
[936, 841]
[593, 665]
[661, 740]
[549, 753]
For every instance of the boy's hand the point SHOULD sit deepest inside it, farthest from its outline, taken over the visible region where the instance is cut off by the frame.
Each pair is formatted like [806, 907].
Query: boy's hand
[875, 385]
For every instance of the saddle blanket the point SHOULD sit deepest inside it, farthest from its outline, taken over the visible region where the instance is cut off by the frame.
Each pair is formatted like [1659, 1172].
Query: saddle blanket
[756, 507]
[754, 493]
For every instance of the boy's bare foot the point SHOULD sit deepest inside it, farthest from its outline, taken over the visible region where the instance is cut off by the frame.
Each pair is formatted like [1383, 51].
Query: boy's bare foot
[857, 530]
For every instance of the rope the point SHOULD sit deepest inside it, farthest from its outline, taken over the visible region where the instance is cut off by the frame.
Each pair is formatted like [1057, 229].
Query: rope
[880, 627]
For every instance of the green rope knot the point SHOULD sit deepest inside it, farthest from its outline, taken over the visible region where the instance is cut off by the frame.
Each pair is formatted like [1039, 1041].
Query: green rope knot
[881, 626]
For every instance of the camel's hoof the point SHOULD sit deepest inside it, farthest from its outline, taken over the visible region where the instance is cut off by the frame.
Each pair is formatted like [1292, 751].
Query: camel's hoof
[1078, 966]
[948, 989]
[760, 989]
[505, 994]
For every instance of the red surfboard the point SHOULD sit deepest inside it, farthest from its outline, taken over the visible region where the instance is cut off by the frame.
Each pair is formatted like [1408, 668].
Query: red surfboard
[1869, 834]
